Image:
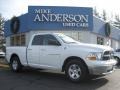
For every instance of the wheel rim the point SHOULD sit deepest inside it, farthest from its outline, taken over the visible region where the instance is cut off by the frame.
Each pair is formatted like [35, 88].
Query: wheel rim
[74, 71]
[117, 64]
[14, 65]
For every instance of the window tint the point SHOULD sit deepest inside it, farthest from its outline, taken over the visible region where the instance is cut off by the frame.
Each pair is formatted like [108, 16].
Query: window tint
[118, 50]
[38, 40]
[43, 40]
[48, 39]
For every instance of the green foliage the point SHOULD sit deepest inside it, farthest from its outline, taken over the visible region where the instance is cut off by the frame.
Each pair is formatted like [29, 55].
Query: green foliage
[2, 21]
[2, 39]
[104, 15]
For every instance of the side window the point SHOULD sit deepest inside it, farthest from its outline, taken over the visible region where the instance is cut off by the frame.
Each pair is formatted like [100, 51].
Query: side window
[118, 50]
[38, 40]
[48, 38]
[100, 40]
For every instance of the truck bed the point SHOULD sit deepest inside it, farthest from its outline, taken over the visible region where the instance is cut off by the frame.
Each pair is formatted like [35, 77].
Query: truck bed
[19, 51]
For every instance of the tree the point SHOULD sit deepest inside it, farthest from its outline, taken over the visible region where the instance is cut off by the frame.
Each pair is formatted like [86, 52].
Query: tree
[95, 12]
[1, 23]
[117, 21]
[104, 15]
[2, 39]
[117, 18]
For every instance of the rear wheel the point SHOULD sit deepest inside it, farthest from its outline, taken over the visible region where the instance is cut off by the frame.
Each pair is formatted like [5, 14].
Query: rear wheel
[15, 64]
[76, 71]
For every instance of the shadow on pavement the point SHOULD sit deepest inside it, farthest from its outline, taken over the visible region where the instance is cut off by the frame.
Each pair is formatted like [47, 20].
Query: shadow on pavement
[51, 81]
[31, 79]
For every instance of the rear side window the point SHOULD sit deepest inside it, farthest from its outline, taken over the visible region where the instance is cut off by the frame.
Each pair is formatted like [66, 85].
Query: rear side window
[38, 40]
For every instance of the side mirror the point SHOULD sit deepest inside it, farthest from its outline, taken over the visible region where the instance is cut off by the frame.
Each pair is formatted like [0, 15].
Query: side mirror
[54, 42]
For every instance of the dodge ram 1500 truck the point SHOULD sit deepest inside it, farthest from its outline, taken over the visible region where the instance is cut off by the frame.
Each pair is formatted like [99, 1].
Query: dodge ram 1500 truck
[60, 52]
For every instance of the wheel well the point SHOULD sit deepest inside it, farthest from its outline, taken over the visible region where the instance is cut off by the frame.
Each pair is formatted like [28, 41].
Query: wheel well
[116, 57]
[13, 55]
[72, 58]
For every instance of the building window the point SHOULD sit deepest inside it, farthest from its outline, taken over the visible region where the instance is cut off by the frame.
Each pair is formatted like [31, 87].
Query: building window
[22, 40]
[12, 41]
[100, 40]
[17, 40]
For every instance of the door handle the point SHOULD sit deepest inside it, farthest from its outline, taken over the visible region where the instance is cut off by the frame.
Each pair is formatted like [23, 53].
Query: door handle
[29, 49]
[43, 50]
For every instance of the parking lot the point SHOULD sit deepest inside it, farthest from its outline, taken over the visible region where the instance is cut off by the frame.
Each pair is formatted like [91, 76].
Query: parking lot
[47, 80]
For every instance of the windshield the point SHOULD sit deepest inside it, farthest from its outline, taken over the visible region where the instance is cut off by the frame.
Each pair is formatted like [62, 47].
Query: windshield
[66, 39]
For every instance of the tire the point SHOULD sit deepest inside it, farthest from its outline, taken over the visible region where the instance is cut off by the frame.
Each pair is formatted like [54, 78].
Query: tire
[76, 71]
[118, 61]
[15, 64]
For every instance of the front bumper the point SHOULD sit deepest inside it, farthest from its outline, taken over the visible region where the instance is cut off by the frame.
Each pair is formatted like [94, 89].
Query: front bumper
[102, 67]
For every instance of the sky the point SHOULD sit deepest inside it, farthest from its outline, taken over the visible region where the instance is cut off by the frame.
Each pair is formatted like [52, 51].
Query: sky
[10, 8]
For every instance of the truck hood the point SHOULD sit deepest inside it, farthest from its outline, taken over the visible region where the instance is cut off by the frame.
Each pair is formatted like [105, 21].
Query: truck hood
[92, 47]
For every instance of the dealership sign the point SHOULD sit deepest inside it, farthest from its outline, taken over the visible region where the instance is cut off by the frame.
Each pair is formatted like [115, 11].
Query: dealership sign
[60, 18]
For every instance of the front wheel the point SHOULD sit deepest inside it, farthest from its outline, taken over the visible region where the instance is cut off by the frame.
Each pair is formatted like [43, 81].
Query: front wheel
[76, 71]
[15, 64]
[118, 61]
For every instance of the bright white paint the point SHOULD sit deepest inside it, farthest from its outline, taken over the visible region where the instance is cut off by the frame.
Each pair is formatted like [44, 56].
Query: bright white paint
[53, 57]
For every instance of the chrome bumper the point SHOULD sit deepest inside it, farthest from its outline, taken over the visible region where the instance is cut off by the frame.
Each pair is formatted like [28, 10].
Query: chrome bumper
[102, 67]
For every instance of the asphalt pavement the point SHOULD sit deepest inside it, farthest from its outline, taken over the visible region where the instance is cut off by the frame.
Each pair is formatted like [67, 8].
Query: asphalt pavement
[30, 79]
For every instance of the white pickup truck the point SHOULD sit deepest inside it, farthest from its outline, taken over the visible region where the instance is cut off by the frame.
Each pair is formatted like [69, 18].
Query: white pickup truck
[60, 52]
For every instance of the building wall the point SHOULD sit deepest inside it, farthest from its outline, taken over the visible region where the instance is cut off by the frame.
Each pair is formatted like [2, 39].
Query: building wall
[7, 41]
[93, 38]
[115, 44]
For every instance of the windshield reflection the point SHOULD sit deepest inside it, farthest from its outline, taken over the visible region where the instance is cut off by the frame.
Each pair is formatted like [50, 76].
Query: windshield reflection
[67, 39]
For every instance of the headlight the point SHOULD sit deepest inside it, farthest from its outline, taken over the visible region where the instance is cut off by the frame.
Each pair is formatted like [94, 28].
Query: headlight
[94, 56]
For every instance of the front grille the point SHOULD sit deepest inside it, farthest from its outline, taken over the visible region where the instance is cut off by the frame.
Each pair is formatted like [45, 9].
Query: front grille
[107, 52]
[107, 55]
